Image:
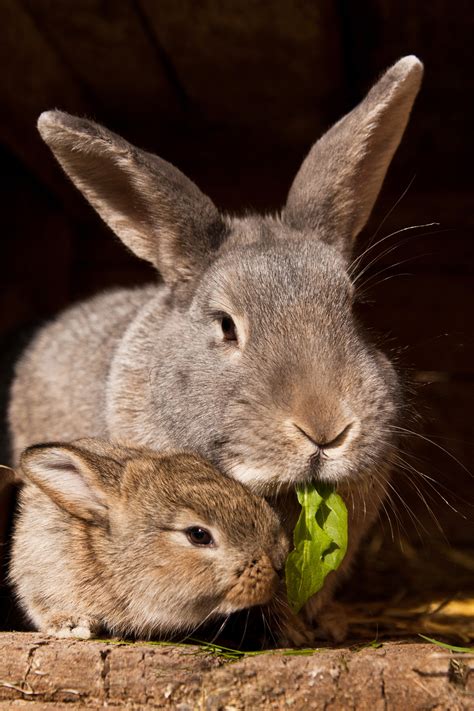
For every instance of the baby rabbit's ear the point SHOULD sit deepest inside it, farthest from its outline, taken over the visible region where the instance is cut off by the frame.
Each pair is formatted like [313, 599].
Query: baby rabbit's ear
[161, 215]
[71, 477]
[338, 183]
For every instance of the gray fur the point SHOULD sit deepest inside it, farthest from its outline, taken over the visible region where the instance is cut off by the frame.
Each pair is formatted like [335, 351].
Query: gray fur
[151, 365]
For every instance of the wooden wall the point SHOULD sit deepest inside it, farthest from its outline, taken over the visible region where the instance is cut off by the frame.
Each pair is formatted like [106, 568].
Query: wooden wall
[234, 93]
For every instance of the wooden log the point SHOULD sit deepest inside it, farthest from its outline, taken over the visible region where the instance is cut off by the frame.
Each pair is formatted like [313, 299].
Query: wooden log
[93, 674]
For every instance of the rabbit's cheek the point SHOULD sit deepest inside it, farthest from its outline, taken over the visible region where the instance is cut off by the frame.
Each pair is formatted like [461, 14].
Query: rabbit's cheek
[387, 371]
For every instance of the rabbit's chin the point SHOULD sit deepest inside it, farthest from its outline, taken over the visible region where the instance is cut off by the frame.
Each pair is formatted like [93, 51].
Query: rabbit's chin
[266, 480]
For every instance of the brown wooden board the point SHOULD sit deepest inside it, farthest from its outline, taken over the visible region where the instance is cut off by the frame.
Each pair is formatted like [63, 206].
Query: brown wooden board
[425, 319]
[73, 674]
[32, 79]
[378, 32]
[111, 56]
[268, 68]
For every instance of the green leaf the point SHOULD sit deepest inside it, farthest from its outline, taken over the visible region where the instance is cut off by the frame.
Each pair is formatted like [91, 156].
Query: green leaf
[320, 540]
[451, 647]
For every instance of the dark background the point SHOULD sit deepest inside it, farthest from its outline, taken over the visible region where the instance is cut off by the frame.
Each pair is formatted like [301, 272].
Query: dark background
[234, 94]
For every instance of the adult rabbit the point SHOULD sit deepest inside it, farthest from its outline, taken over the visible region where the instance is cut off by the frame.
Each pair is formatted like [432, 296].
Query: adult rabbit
[249, 352]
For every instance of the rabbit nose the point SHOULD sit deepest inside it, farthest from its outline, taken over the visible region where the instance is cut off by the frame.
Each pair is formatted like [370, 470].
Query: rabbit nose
[331, 441]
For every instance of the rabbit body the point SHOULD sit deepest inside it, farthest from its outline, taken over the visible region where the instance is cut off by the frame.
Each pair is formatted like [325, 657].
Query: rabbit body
[249, 352]
[102, 541]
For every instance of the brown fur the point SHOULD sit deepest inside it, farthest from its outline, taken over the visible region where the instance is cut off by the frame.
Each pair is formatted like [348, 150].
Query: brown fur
[100, 541]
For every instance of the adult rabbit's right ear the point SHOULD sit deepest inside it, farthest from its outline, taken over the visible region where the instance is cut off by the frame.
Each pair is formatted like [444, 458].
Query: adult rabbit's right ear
[161, 215]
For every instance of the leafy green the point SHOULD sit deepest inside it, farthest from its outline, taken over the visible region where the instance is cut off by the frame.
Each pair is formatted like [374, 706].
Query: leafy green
[320, 540]
[451, 647]
[199, 646]
[374, 644]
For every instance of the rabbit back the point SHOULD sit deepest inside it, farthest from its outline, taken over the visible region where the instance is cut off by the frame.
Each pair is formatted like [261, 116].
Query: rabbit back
[59, 388]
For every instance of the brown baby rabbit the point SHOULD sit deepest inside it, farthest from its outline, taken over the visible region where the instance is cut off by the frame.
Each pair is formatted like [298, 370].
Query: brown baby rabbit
[116, 537]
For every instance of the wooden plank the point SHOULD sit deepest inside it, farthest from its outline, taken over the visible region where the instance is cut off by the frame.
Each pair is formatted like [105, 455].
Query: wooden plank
[44, 673]
[271, 69]
[35, 80]
[438, 443]
[426, 319]
[444, 247]
[377, 32]
[104, 44]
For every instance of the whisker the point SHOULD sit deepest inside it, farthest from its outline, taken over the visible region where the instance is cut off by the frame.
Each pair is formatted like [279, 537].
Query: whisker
[245, 629]
[423, 499]
[394, 206]
[409, 511]
[412, 433]
[357, 259]
[274, 621]
[390, 266]
[224, 622]
[361, 295]
[192, 630]
[392, 248]
[382, 506]
[388, 501]
[430, 482]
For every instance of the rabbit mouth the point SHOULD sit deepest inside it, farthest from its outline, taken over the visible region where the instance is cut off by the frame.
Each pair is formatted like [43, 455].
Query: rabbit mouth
[256, 584]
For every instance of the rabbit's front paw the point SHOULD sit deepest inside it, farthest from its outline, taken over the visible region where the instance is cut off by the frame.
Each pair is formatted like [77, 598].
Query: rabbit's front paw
[295, 632]
[329, 621]
[70, 626]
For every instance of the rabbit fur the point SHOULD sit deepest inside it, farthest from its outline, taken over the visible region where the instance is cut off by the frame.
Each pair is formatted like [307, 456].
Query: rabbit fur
[102, 540]
[249, 352]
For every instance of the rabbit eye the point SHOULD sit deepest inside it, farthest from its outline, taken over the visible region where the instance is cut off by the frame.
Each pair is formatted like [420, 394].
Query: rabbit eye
[199, 536]
[229, 329]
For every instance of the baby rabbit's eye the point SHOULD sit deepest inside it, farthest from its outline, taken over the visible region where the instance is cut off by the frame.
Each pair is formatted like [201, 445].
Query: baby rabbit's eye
[199, 536]
[228, 328]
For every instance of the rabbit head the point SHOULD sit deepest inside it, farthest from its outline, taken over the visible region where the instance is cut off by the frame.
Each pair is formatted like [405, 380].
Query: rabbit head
[254, 357]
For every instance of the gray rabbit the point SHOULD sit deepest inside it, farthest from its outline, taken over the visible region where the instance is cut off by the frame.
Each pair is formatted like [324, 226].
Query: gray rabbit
[249, 353]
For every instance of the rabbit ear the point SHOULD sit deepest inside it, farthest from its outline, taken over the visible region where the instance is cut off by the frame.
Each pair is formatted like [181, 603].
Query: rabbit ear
[161, 215]
[74, 479]
[338, 183]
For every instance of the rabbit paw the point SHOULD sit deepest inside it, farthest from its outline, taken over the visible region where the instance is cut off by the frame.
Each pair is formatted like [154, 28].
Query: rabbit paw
[70, 627]
[329, 622]
[295, 632]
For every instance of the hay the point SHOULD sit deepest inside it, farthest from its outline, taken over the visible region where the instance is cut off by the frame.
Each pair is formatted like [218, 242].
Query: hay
[452, 620]
[402, 590]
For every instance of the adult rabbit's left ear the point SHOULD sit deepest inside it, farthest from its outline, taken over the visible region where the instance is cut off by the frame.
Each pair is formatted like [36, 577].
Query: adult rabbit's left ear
[338, 183]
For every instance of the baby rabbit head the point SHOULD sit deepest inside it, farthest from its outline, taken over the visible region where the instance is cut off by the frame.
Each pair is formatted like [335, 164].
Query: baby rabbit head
[176, 541]
[260, 364]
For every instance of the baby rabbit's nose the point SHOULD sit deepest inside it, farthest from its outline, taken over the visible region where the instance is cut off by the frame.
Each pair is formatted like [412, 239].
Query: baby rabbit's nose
[256, 583]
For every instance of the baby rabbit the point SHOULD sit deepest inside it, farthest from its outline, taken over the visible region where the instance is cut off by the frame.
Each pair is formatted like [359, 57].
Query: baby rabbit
[116, 537]
[249, 351]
